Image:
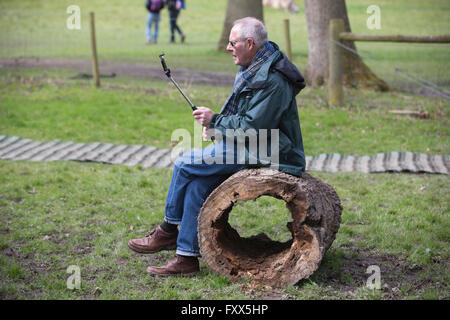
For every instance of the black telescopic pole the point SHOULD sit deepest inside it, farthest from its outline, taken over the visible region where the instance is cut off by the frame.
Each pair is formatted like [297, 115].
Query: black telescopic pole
[167, 72]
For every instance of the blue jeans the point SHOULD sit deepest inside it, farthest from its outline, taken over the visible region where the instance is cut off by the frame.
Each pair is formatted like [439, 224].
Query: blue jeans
[193, 180]
[152, 18]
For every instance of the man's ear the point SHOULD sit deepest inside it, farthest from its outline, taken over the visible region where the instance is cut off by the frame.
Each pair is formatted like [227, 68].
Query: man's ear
[251, 43]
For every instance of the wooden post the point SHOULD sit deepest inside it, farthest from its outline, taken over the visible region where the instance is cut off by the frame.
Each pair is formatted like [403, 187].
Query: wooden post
[95, 72]
[335, 90]
[445, 38]
[287, 36]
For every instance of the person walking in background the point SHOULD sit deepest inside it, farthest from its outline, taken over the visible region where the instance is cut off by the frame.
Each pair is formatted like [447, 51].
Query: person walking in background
[153, 7]
[174, 7]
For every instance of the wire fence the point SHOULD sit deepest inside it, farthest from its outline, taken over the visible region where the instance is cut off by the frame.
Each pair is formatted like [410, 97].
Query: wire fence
[417, 68]
[49, 37]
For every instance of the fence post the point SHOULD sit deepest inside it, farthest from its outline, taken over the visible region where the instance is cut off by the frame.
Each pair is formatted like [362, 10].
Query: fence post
[287, 36]
[335, 90]
[95, 72]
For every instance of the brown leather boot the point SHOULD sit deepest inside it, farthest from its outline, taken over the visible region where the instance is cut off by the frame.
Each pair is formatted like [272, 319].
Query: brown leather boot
[155, 241]
[180, 265]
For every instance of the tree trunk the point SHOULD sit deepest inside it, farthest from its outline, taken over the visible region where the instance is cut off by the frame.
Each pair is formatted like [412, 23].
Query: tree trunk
[237, 9]
[316, 213]
[356, 73]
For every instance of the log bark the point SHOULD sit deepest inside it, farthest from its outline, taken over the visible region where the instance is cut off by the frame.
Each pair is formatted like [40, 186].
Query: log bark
[316, 215]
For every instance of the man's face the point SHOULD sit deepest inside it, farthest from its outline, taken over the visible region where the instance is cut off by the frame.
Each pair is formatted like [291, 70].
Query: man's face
[240, 48]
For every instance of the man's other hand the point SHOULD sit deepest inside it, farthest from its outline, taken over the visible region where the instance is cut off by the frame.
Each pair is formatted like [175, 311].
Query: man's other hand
[203, 116]
[206, 134]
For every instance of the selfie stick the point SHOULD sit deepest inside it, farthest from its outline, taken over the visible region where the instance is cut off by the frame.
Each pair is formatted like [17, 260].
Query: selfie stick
[167, 72]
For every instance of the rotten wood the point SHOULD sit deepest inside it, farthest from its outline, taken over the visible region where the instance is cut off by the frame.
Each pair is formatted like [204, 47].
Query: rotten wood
[420, 114]
[316, 215]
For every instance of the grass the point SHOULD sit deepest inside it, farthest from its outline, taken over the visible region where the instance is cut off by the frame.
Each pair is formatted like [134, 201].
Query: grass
[33, 28]
[86, 225]
[54, 215]
[45, 105]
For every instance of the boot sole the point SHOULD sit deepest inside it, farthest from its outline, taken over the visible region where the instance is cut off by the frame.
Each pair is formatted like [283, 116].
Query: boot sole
[190, 274]
[150, 252]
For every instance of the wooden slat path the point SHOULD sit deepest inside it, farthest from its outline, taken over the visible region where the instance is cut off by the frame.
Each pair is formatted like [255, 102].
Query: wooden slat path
[16, 148]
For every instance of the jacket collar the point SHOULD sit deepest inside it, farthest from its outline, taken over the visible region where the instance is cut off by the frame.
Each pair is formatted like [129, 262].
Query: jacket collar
[260, 78]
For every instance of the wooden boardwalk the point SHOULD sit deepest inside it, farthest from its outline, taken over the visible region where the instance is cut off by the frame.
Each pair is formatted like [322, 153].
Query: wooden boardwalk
[16, 148]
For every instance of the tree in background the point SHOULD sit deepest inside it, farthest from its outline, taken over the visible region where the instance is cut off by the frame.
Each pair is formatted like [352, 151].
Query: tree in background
[356, 73]
[237, 9]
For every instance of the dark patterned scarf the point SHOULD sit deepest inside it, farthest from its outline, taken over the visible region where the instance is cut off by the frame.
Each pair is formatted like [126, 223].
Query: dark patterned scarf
[246, 74]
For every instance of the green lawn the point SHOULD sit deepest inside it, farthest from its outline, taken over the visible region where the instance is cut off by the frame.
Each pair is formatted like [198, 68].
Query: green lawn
[37, 28]
[54, 215]
[45, 105]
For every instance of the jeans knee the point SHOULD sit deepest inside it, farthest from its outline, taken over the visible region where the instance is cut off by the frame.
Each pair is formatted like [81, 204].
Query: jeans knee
[182, 160]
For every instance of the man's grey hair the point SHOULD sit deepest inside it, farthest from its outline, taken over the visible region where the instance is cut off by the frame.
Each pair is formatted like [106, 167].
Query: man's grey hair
[250, 27]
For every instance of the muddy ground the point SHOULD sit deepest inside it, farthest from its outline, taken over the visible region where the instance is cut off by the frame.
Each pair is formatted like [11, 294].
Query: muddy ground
[108, 68]
[84, 67]
[399, 278]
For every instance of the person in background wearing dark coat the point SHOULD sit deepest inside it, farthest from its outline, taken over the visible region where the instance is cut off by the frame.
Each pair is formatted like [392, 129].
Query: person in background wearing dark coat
[174, 7]
[153, 7]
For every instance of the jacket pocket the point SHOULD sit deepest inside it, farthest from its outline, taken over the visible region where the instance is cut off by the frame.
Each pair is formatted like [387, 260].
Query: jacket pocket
[244, 102]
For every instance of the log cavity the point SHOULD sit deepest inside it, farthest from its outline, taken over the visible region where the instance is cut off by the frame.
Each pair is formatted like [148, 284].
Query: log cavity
[315, 216]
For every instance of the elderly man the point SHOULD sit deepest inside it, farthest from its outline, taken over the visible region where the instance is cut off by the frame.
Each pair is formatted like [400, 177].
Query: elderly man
[263, 98]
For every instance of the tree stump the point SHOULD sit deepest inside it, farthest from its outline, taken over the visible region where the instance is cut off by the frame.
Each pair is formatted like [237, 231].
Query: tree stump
[316, 213]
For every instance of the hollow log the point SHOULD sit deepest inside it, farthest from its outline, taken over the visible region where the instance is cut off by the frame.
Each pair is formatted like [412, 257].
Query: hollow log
[316, 215]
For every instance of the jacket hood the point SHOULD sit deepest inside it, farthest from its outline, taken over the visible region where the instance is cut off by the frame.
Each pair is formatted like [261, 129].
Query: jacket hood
[279, 62]
[289, 70]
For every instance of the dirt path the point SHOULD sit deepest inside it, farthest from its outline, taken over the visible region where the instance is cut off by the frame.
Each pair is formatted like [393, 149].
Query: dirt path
[123, 68]
[148, 71]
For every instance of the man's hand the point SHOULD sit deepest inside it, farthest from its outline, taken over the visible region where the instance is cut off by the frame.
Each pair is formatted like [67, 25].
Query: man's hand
[203, 116]
[206, 136]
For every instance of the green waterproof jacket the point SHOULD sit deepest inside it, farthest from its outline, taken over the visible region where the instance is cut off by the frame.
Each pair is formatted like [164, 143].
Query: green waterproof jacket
[268, 102]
